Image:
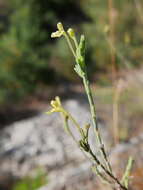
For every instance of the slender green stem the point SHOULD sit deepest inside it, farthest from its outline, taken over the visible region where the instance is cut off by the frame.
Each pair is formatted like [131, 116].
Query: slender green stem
[106, 171]
[69, 131]
[94, 119]
[103, 178]
[70, 45]
[74, 121]
[71, 134]
[125, 178]
[75, 41]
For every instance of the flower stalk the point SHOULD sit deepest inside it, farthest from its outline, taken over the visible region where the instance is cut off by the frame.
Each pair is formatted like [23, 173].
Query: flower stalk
[78, 51]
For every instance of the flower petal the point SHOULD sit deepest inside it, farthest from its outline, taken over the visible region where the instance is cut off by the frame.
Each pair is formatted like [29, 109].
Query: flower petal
[60, 26]
[57, 34]
[58, 100]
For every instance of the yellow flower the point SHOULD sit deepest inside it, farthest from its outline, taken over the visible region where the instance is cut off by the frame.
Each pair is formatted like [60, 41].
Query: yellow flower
[59, 32]
[56, 34]
[56, 106]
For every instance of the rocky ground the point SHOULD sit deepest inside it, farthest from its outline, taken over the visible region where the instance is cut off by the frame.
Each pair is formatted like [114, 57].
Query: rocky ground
[41, 141]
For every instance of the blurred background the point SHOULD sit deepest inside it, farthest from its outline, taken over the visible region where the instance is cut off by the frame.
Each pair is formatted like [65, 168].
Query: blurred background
[34, 68]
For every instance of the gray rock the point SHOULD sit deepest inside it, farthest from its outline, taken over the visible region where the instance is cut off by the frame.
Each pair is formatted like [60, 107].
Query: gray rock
[42, 142]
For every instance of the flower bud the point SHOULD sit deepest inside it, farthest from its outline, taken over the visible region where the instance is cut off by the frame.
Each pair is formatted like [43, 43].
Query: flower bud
[71, 32]
[60, 26]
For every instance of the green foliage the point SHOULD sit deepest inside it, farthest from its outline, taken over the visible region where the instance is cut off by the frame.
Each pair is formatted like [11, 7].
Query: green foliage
[29, 183]
[20, 57]
[25, 48]
[27, 56]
